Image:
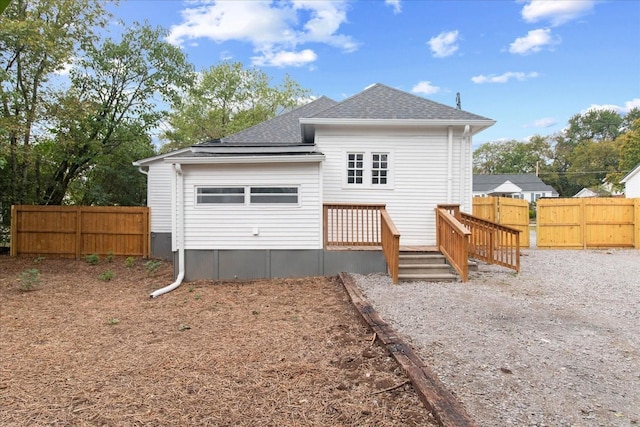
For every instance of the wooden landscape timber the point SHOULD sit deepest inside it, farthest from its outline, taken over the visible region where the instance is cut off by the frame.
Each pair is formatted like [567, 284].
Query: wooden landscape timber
[446, 409]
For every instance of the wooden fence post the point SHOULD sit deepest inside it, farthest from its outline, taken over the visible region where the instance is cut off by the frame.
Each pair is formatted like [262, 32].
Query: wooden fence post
[636, 222]
[13, 249]
[78, 212]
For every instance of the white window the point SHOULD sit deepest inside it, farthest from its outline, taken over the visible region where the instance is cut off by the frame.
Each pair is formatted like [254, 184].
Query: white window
[220, 195]
[368, 170]
[261, 195]
[355, 168]
[247, 195]
[379, 168]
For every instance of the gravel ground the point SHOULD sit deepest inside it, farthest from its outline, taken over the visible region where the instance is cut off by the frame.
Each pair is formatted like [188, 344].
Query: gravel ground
[556, 345]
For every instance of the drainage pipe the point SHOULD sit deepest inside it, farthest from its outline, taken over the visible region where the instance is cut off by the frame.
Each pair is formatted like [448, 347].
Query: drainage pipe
[450, 165]
[179, 234]
[464, 170]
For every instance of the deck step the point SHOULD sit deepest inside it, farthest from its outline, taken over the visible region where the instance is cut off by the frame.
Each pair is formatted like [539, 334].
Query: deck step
[428, 277]
[406, 259]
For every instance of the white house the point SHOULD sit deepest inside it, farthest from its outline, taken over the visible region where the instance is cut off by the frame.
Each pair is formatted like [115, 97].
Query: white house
[632, 183]
[251, 205]
[520, 186]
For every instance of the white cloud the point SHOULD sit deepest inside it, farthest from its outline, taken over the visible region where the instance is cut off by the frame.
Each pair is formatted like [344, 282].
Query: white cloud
[504, 78]
[397, 7]
[557, 12]
[628, 106]
[444, 44]
[534, 41]
[66, 68]
[285, 59]
[426, 88]
[274, 29]
[542, 123]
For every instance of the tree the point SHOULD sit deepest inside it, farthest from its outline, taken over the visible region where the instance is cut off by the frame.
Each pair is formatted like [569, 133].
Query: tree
[592, 161]
[594, 125]
[113, 100]
[226, 99]
[629, 152]
[37, 39]
[514, 157]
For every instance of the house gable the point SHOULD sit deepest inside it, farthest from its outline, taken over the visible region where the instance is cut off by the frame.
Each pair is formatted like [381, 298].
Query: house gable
[381, 105]
[632, 183]
[532, 187]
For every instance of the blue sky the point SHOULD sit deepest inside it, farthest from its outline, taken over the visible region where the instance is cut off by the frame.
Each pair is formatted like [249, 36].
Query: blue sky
[528, 64]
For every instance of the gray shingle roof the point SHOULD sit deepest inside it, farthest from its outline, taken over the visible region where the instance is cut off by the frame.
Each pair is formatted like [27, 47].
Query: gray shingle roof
[383, 102]
[282, 129]
[528, 182]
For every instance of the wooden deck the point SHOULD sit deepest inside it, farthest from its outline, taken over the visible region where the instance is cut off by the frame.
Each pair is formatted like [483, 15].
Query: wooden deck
[403, 248]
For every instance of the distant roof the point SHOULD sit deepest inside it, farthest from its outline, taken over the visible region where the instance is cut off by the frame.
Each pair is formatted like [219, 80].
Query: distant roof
[528, 182]
[282, 129]
[630, 174]
[383, 102]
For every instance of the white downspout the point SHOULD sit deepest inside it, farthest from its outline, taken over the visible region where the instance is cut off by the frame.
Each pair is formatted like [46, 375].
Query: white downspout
[450, 166]
[180, 234]
[464, 142]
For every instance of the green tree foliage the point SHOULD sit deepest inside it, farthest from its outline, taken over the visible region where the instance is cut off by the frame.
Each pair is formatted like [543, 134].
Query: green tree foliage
[594, 125]
[629, 151]
[37, 39]
[112, 103]
[225, 99]
[597, 147]
[516, 157]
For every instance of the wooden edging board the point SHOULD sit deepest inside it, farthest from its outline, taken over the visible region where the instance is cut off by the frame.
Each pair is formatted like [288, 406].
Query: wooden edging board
[446, 409]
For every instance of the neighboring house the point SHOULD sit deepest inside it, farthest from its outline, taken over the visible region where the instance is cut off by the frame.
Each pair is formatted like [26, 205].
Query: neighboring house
[251, 205]
[632, 183]
[519, 186]
[587, 192]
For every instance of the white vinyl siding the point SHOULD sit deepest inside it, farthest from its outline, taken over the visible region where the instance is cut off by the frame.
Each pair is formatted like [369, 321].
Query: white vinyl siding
[418, 168]
[255, 225]
[159, 181]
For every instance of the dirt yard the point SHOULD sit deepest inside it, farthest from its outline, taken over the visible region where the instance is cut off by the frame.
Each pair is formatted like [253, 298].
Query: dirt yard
[89, 347]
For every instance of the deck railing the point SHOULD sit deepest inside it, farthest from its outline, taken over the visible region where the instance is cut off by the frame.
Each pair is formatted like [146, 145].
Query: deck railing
[347, 224]
[452, 239]
[390, 245]
[493, 243]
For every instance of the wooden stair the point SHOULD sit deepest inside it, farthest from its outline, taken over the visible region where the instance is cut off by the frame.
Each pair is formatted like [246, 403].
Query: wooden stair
[426, 265]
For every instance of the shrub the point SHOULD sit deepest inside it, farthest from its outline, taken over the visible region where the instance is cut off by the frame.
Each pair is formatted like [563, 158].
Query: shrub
[92, 259]
[110, 256]
[152, 266]
[129, 262]
[106, 276]
[29, 279]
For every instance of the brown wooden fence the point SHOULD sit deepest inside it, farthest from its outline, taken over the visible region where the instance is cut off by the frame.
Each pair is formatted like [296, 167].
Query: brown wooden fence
[512, 213]
[74, 231]
[581, 223]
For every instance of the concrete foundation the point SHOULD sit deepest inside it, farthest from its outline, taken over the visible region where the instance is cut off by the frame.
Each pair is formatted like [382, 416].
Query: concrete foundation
[257, 264]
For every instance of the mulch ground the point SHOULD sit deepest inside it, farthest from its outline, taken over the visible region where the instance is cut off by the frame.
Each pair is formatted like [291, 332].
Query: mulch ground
[81, 350]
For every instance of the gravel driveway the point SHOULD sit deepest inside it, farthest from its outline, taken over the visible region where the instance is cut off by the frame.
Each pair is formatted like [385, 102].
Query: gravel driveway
[556, 345]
